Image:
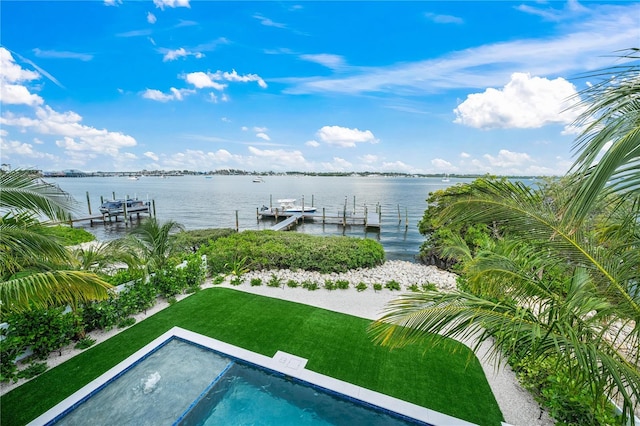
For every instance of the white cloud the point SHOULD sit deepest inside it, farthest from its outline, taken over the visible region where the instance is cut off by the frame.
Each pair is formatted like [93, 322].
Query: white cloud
[326, 59]
[198, 159]
[234, 76]
[14, 94]
[443, 19]
[524, 102]
[465, 155]
[507, 158]
[151, 155]
[10, 148]
[260, 129]
[61, 54]
[441, 165]
[112, 2]
[151, 18]
[398, 167]
[201, 79]
[76, 136]
[279, 159]
[174, 95]
[12, 72]
[369, 158]
[172, 55]
[263, 136]
[312, 144]
[344, 137]
[161, 4]
[268, 22]
[337, 165]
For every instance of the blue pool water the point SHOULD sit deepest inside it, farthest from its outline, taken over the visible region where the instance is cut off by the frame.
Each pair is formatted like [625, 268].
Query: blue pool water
[182, 383]
[251, 396]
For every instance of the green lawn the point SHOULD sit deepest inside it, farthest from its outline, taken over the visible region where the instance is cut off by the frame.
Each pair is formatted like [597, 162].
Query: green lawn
[448, 379]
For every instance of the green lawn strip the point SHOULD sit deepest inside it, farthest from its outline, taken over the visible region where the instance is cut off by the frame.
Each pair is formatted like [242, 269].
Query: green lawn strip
[335, 344]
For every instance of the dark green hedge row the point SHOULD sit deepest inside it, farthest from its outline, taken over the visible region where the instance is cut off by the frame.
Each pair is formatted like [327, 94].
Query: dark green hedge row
[264, 250]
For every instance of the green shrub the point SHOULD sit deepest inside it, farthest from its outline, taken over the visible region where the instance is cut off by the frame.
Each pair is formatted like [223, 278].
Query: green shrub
[557, 388]
[44, 330]
[310, 285]
[84, 343]
[194, 272]
[393, 285]
[361, 286]
[126, 322]
[274, 281]
[68, 236]
[255, 282]
[330, 285]
[377, 286]
[270, 250]
[33, 370]
[429, 287]
[236, 281]
[170, 281]
[218, 279]
[191, 241]
[414, 287]
[292, 283]
[123, 276]
[10, 348]
[342, 284]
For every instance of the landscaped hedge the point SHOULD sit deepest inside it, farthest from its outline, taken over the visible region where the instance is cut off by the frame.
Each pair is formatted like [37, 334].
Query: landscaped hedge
[46, 330]
[264, 250]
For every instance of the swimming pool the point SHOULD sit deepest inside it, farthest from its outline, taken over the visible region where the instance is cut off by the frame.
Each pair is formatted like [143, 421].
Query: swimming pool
[183, 378]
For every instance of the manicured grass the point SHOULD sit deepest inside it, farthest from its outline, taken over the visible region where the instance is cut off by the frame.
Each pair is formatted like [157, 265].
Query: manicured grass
[448, 379]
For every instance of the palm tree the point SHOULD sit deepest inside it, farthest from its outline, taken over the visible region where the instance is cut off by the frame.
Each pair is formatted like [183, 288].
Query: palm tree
[151, 242]
[552, 284]
[34, 268]
[609, 146]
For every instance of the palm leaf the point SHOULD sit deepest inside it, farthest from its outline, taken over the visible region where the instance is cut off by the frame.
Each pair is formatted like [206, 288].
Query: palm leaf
[51, 289]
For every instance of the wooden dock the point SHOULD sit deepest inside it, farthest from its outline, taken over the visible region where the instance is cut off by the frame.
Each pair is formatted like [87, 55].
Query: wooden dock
[122, 215]
[288, 223]
[344, 218]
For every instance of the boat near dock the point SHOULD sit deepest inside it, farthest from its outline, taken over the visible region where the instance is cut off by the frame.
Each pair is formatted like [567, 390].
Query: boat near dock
[290, 213]
[117, 207]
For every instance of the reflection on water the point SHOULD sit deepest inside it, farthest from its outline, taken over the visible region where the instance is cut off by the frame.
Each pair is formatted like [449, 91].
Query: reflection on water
[198, 202]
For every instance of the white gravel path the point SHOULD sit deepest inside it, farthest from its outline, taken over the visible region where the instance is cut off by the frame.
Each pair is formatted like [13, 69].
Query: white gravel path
[517, 405]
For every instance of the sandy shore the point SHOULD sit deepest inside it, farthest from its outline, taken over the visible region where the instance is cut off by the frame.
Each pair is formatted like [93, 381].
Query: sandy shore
[517, 405]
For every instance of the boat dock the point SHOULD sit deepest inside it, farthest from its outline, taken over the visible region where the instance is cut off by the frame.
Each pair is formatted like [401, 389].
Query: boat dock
[288, 216]
[122, 213]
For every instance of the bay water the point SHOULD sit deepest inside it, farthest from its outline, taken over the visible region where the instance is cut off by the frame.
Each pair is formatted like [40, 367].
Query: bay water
[199, 202]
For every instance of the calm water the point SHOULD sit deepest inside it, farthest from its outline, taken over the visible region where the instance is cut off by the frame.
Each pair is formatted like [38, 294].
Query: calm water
[198, 202]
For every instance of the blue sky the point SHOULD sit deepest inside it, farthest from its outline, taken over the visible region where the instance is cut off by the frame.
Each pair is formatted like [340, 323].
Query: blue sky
[415, 87]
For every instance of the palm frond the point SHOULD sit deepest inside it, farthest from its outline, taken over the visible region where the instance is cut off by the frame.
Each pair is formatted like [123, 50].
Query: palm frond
[51, 289]
[21, 191]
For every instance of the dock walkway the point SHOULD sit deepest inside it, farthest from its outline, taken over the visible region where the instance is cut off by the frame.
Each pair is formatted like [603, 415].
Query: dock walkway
[288, 223]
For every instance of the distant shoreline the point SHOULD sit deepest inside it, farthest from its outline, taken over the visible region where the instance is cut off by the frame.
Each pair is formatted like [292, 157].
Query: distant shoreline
[176, 173]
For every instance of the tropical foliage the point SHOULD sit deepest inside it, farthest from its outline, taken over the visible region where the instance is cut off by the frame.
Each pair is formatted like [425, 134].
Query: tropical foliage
[557, 281]
[151, 243]
[34, 266]
[264, 250]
